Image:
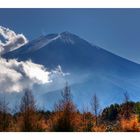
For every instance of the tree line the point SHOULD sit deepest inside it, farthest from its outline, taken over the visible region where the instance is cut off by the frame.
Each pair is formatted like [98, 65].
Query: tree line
[65, 117]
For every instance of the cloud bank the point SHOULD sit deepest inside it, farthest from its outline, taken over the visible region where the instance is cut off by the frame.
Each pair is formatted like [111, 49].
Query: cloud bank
[9, 40]
[16, 76]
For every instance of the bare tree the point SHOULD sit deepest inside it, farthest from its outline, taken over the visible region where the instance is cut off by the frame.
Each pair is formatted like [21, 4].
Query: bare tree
[28, 111]
[4, 115]
[126, 97]
[95, 107]
[126, 109]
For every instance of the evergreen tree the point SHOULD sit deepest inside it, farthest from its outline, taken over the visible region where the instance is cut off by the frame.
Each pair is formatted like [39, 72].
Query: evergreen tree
[4, 115]
[28, 112]
[66, 112]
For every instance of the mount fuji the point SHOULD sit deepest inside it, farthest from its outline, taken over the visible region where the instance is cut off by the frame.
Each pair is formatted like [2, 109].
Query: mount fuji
[92, 69]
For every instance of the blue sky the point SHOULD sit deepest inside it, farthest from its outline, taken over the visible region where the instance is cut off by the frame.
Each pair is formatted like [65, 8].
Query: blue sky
[116, 30]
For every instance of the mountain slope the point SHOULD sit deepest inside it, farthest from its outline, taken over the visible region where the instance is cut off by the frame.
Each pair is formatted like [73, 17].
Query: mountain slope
[91, 68]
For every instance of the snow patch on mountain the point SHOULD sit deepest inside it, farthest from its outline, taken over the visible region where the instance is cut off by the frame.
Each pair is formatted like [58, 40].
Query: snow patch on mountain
[45, 40]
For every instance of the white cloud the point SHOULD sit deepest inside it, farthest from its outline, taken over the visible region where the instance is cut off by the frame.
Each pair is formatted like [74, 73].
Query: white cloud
[16, 76]
[9, 40]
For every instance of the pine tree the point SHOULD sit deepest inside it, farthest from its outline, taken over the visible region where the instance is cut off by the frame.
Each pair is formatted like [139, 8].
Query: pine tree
[66, 112]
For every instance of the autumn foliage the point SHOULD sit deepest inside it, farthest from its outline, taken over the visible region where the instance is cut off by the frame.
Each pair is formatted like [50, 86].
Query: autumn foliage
[65, 117]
